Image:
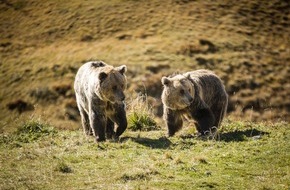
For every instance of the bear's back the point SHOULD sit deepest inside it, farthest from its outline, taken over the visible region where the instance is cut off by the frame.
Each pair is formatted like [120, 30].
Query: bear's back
[209, 84]
[206, 78]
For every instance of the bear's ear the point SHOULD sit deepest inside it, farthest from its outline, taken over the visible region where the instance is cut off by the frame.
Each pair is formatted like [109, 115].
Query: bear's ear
[187, 76]
[122, 69]
[165, 81]
[102, 76]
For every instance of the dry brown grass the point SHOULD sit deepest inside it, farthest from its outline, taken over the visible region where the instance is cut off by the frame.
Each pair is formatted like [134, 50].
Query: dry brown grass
[42, 44]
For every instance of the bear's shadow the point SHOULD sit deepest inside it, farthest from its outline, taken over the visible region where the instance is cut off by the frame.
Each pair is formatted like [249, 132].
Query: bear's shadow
[232, 136]
[161, 143]
[237, 136]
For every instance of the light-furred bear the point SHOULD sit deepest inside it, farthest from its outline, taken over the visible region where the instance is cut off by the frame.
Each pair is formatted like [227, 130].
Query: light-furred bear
[99, 90]
[199, 95]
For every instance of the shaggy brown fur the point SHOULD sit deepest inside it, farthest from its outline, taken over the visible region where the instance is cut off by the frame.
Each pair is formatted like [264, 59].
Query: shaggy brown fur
[199, 95]
[99, 92]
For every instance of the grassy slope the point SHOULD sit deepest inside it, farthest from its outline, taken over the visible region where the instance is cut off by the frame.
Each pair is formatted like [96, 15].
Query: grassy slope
[244, 156]
[43, 44]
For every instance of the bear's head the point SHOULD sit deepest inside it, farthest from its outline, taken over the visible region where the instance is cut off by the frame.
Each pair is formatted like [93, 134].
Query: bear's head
[112, 83]
[178, 92]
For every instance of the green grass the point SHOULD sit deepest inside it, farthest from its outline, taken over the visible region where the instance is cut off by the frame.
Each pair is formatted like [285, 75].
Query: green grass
[47, 41]
[243, 156]
[140, 117]
[29, 131]
[141, 122]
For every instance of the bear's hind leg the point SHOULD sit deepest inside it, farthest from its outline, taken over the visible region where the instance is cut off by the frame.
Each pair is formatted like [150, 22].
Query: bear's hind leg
[219, 111]
[85, 122]
[205, 120]
[218, 114]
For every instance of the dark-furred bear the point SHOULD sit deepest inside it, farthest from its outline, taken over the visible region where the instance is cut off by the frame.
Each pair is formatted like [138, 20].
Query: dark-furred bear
[199, 95]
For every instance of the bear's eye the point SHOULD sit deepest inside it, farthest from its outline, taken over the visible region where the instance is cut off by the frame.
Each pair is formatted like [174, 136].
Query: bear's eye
[181, 91]
[114, 87]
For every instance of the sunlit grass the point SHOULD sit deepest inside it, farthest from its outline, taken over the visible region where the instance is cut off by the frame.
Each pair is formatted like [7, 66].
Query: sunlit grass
[140, 116]
[147, 159]
[44, 43]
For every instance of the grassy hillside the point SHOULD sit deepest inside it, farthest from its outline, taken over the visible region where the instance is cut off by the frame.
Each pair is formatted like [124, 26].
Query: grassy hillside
[42, 44]
[243, 156]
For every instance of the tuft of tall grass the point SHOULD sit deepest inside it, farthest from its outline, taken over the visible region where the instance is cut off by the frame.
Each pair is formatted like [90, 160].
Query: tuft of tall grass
[29, 131]
[35, 126]
[140, 116]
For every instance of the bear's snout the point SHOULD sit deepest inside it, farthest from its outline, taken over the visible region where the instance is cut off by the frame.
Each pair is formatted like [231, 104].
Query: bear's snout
[123, 98]
[120, 97]
[190, 99]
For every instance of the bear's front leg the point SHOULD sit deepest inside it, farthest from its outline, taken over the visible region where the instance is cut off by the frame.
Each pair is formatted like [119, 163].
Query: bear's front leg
[110, 129]
[173, 121]
[98, 123]
[205, 120]
[119, 117]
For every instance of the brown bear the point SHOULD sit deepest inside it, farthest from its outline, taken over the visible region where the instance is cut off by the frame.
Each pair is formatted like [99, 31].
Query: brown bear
[99, 90]
[199, 95]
